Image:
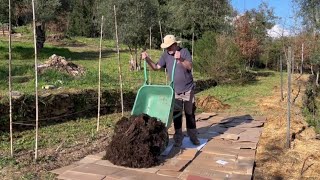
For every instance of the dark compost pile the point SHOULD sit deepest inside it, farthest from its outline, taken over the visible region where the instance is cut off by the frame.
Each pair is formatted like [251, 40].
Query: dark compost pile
[137, 142]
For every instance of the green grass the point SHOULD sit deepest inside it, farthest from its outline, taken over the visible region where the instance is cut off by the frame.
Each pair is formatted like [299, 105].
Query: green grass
[86, 56]
[244, 97]
[25, 30]
[66, 135]
[70, 132]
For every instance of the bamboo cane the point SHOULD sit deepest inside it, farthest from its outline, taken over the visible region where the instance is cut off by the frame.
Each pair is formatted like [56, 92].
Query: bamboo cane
[192, 50]
[165, 69]
[36, 79]
[281, 78]
[10, 83]
[150, 43]
[99, 86]
[302, 58]
[118, 51]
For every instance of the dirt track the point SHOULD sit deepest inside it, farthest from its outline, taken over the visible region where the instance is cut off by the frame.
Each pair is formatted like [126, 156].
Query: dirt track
[273, 159]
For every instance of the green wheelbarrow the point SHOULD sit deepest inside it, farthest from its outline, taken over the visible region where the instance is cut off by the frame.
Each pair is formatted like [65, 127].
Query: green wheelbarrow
[156, 100]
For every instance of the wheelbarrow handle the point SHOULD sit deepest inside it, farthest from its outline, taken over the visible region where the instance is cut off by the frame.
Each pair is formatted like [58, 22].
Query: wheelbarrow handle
[145, 73]
[173, 73]
[146, 80]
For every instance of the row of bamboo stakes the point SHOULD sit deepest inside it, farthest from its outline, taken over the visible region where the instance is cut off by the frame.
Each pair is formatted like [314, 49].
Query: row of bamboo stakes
[36, 74]
[99, 83]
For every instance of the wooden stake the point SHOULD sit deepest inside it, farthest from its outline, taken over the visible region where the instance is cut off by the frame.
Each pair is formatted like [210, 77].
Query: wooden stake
[165, 69]
[150, 50]
[292, 62]
[118, 51]
[192, 50]
[150, 37]
[281, 78]
[289, 96]
[10, 83]
[161, 32]
[99, 86]
[302, 58]
[36, 79]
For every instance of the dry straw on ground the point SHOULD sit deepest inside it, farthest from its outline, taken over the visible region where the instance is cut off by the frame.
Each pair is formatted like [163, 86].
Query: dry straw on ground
[273, 159]
[210, 104]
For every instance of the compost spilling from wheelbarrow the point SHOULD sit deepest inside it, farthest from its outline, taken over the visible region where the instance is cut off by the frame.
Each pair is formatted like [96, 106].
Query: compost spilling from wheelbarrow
[137, 142]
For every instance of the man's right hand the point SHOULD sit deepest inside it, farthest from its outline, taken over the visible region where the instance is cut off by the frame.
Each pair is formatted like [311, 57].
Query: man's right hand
[144, 55]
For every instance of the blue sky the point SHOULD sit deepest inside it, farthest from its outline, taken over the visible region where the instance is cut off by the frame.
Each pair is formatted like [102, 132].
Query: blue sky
[282, 9]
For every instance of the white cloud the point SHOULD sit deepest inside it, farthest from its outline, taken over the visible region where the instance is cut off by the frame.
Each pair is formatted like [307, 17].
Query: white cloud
[277, 31]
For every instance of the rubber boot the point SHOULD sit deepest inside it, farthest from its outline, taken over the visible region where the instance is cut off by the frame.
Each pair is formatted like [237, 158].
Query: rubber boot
[178, 137]
[192, 133]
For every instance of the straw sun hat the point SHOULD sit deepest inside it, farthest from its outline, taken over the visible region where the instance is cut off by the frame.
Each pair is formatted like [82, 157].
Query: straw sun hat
[168, 40]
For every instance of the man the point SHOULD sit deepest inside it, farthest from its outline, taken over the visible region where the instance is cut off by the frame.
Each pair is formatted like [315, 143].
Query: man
[183, 86]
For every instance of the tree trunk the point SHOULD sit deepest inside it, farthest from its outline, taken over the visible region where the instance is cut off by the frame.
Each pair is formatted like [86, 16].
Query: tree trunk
[136, 58]
[317, 79]
[267, 60]
[302, 58]
[281, 78]
[131, 55]
[41, 35]
[292, 64]
[311, 67]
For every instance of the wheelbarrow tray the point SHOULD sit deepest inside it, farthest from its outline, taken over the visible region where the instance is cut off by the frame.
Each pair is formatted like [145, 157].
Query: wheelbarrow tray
[156, 101]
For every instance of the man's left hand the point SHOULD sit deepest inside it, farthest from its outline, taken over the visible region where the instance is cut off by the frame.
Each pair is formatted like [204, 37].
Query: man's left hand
[177, 56]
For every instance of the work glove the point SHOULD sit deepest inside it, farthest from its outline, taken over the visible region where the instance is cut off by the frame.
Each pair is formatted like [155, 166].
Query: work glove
[144, 55]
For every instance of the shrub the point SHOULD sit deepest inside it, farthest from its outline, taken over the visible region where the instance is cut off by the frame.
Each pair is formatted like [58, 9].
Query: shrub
[311, 104]
[218, 57]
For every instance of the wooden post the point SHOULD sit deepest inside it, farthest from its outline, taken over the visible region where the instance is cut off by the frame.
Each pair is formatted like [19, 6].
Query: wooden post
[99, 86]
[36, 79]
[150, 37]
[150, 45]
[302, 58]
[289, 97]
[10, 83]
[119, 63]
[281, 78]
[192, 51]
[161, 31]
[165, 69]
[292, 62]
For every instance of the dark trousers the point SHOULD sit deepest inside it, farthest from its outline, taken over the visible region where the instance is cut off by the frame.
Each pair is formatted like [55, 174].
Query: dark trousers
[184, 102]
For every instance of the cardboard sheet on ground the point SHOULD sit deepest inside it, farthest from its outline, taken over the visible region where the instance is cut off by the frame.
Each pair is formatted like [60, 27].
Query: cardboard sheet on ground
[186, 144]
[167, 150]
